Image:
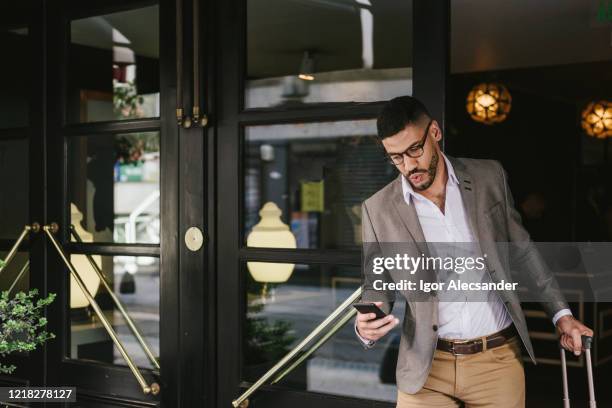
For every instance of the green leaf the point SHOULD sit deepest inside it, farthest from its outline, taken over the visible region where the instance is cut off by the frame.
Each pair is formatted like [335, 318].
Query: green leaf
[22, 323]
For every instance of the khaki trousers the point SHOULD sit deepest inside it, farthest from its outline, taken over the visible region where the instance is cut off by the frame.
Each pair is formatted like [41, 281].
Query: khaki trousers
[490, 379]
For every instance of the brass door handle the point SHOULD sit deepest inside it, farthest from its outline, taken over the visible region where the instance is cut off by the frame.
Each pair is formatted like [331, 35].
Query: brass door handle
[197, 118]
[179, 63]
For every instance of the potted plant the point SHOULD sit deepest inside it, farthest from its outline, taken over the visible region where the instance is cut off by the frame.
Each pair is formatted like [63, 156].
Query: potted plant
[22, 324]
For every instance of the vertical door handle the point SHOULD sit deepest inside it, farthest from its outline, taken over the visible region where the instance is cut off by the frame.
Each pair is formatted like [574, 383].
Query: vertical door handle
[180, 118]
[199, 118]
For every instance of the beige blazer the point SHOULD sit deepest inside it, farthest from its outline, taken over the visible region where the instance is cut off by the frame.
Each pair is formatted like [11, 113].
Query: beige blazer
[386, 218]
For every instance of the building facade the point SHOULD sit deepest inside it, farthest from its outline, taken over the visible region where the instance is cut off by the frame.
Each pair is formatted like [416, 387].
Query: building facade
[171, 133]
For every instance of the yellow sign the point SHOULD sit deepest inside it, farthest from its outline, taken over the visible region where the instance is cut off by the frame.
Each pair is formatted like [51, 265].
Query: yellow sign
[312, 196]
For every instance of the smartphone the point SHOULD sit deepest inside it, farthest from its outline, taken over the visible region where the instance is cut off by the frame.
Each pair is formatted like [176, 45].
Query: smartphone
[368, 307]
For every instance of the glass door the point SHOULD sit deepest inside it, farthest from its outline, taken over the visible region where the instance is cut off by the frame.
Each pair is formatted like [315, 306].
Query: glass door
[111, 171]
[301, 84]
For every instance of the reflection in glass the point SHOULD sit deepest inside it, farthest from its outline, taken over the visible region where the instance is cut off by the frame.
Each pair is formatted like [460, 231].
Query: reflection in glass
[114, 66]
[360, 51]
[317, 174]
[16, 274]
[15, 74]
[136, 283]
[270, 232]
[14, 187]
[114, 184]
[277, 320]
[82, 264]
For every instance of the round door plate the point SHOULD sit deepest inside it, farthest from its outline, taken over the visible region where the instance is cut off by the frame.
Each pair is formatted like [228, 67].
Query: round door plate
[194, 239]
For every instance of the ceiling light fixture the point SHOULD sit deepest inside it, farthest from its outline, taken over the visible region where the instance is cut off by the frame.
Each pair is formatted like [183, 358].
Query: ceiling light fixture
[489, 103]
[597, 119]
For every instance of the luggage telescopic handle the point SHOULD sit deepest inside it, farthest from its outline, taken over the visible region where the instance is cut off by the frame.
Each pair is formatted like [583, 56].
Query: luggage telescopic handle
[587, 343]
[566, 401]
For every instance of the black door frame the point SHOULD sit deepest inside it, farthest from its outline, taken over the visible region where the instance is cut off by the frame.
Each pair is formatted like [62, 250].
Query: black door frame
[430, 69]
[97, 383]
[182, 273]
[28, 14]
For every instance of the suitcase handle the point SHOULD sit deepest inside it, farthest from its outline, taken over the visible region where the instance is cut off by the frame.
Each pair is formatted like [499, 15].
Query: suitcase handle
[587, 344]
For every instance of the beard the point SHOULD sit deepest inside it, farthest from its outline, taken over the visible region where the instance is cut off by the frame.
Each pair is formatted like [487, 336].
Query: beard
[431, 172]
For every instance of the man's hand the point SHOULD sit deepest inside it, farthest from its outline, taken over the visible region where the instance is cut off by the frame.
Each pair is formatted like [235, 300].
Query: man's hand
[373, 329]
[571, 331]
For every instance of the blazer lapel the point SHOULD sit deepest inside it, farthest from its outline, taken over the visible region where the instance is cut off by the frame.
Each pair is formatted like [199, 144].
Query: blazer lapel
[407, 214]
[469, 192]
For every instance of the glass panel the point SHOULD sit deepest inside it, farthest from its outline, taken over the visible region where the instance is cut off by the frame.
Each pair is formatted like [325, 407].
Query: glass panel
[136, 283]
[360, 51]
[14, 187]
[114, 66]
[114, 186]
[15, 274]
[279, 315]
[15, 74]
[315, 177]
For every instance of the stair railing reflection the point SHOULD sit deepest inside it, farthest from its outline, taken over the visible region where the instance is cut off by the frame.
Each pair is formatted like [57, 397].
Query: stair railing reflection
[146, 388]
[326, 329]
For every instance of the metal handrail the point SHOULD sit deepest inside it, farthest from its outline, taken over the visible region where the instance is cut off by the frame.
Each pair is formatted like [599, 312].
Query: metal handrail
[146, 388]
[124, 313]
[242, 401]
[25, 267]
[35, 227]
[340, 324]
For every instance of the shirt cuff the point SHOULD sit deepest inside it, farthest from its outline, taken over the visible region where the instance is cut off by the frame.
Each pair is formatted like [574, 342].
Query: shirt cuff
[366, 343]
[560, 314]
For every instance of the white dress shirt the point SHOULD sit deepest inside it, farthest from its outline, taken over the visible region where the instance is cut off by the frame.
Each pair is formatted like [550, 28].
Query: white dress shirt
[457, 319]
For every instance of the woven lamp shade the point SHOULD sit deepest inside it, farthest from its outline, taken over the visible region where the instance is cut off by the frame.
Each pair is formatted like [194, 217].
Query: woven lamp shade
[597, 119]
[489, 103]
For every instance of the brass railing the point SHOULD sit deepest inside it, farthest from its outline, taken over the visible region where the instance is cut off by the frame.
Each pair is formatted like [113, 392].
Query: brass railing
[146, 388]
[345, 310]
[51, 229]
[124, 313]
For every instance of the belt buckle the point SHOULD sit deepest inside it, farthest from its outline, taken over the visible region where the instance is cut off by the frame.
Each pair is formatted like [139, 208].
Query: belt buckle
[455, 353]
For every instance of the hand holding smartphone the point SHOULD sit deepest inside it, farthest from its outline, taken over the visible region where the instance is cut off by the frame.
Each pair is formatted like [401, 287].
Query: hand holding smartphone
[369, 307]
[372, 323]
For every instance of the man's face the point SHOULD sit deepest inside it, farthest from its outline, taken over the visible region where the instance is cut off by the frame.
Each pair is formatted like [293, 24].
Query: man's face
[421, 171]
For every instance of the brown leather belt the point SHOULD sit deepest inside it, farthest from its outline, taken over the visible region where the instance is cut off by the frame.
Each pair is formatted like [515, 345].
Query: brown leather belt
[472, 346]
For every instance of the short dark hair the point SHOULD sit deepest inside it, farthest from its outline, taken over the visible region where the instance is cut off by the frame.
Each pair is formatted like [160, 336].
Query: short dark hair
[398, 113]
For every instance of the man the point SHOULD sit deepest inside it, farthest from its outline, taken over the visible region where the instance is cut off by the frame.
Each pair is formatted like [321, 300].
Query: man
[453, 352]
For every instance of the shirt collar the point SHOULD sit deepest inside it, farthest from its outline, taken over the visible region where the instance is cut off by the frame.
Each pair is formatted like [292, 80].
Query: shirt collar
[408, 191]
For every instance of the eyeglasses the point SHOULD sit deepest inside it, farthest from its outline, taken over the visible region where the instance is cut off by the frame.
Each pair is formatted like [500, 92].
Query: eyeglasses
[413, 151]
